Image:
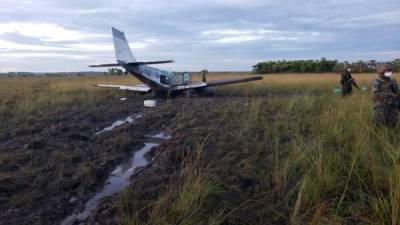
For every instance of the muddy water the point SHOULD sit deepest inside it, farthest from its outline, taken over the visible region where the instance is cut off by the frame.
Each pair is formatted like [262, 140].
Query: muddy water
[162, 136]
[118, 123]
[117, 181]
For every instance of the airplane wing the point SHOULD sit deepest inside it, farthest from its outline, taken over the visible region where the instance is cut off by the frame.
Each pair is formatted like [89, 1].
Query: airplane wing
[139, 88]
[132, 63]
[215, 83]
[189, 86]
[233, 81]
[105, 65]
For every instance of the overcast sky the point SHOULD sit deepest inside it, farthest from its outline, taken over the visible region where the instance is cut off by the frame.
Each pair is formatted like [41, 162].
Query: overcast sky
[67, 35]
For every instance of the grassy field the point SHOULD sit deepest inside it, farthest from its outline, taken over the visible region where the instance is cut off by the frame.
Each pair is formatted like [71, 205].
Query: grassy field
[284, 150]
[295, 154]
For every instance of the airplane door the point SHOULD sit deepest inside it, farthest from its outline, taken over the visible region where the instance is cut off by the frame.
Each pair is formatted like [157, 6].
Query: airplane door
[187, 78]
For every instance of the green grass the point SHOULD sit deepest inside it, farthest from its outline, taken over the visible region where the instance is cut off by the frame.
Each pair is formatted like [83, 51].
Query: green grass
[186, 201]
[280, 155]
[310, 159]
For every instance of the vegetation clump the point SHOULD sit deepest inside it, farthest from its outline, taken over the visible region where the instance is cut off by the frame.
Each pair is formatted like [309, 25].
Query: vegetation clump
[319, 66]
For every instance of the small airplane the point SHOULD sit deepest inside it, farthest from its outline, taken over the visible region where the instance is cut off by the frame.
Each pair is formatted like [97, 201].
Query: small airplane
[160, 81]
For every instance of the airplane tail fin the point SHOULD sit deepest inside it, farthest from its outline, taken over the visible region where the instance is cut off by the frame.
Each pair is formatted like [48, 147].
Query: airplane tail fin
[122, 50]
[124, 54]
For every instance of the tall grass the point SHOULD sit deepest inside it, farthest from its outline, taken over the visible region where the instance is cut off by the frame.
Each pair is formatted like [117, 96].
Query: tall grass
[312, 159]
[184, 201]
[289, 152]
[344, 169]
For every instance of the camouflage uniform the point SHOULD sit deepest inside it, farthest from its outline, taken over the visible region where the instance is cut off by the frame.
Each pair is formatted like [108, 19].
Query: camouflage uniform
[385, 101]
[347, 83]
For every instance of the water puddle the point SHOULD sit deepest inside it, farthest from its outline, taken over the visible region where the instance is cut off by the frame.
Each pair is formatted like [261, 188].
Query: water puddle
[117, 181]
[118, 123]
[162, 135]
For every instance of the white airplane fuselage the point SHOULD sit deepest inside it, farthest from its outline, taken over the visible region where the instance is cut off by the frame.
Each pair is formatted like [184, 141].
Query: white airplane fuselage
[153, 78]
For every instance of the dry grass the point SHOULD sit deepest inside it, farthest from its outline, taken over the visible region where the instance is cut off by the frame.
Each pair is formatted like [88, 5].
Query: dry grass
[313, 159]
[23, 97]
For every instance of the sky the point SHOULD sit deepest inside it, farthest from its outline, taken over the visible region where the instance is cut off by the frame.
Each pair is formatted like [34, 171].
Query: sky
[218, 35]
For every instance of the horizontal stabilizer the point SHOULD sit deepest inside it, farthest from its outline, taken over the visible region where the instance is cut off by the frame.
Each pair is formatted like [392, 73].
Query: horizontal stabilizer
[139, 88]
[150, 62]
[233, 81]
[105, 65]
[132, 63]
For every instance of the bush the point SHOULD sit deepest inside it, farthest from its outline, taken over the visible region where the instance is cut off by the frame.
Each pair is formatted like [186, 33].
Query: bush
[319, 66]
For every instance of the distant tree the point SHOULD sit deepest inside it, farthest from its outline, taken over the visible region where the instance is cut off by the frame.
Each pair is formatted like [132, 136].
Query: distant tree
[318, 66]
[115, 71]
[299, 66]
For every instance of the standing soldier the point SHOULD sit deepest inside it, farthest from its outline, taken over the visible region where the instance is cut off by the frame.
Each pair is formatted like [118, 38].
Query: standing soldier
[347, 82]
[386, 97]
[204, 76]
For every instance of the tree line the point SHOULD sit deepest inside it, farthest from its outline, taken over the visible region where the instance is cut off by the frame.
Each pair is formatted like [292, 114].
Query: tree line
[111, 71]
[320, 66]
[114, 72]
[49, 74]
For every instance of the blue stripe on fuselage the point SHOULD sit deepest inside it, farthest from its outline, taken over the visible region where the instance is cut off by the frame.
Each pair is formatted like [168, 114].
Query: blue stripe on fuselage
[148, 75]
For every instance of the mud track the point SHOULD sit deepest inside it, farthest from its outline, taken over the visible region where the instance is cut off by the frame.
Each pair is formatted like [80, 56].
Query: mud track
[55, 164]
[51, 165]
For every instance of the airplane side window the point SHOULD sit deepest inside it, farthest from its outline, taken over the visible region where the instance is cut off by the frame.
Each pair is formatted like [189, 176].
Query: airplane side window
[164, 79]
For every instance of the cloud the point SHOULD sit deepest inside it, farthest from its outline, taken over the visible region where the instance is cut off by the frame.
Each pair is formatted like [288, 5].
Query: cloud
[45, 31]
[217, 34]
[370, 20]
[395, 54]
[227, 32]
[102, 47]
[238, 39]
[232, 36]
[11, 46]
[17, 55]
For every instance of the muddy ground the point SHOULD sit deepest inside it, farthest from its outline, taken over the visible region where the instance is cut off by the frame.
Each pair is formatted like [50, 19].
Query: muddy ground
[52, 164]
[242, 156]
[225, 154]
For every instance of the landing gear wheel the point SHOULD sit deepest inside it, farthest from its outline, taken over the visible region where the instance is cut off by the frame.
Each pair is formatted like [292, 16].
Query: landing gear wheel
[205, 93]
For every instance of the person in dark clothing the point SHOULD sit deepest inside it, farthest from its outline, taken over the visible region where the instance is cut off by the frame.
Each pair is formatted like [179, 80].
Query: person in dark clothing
[347, 82]
[204, 76]
[386, 97]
